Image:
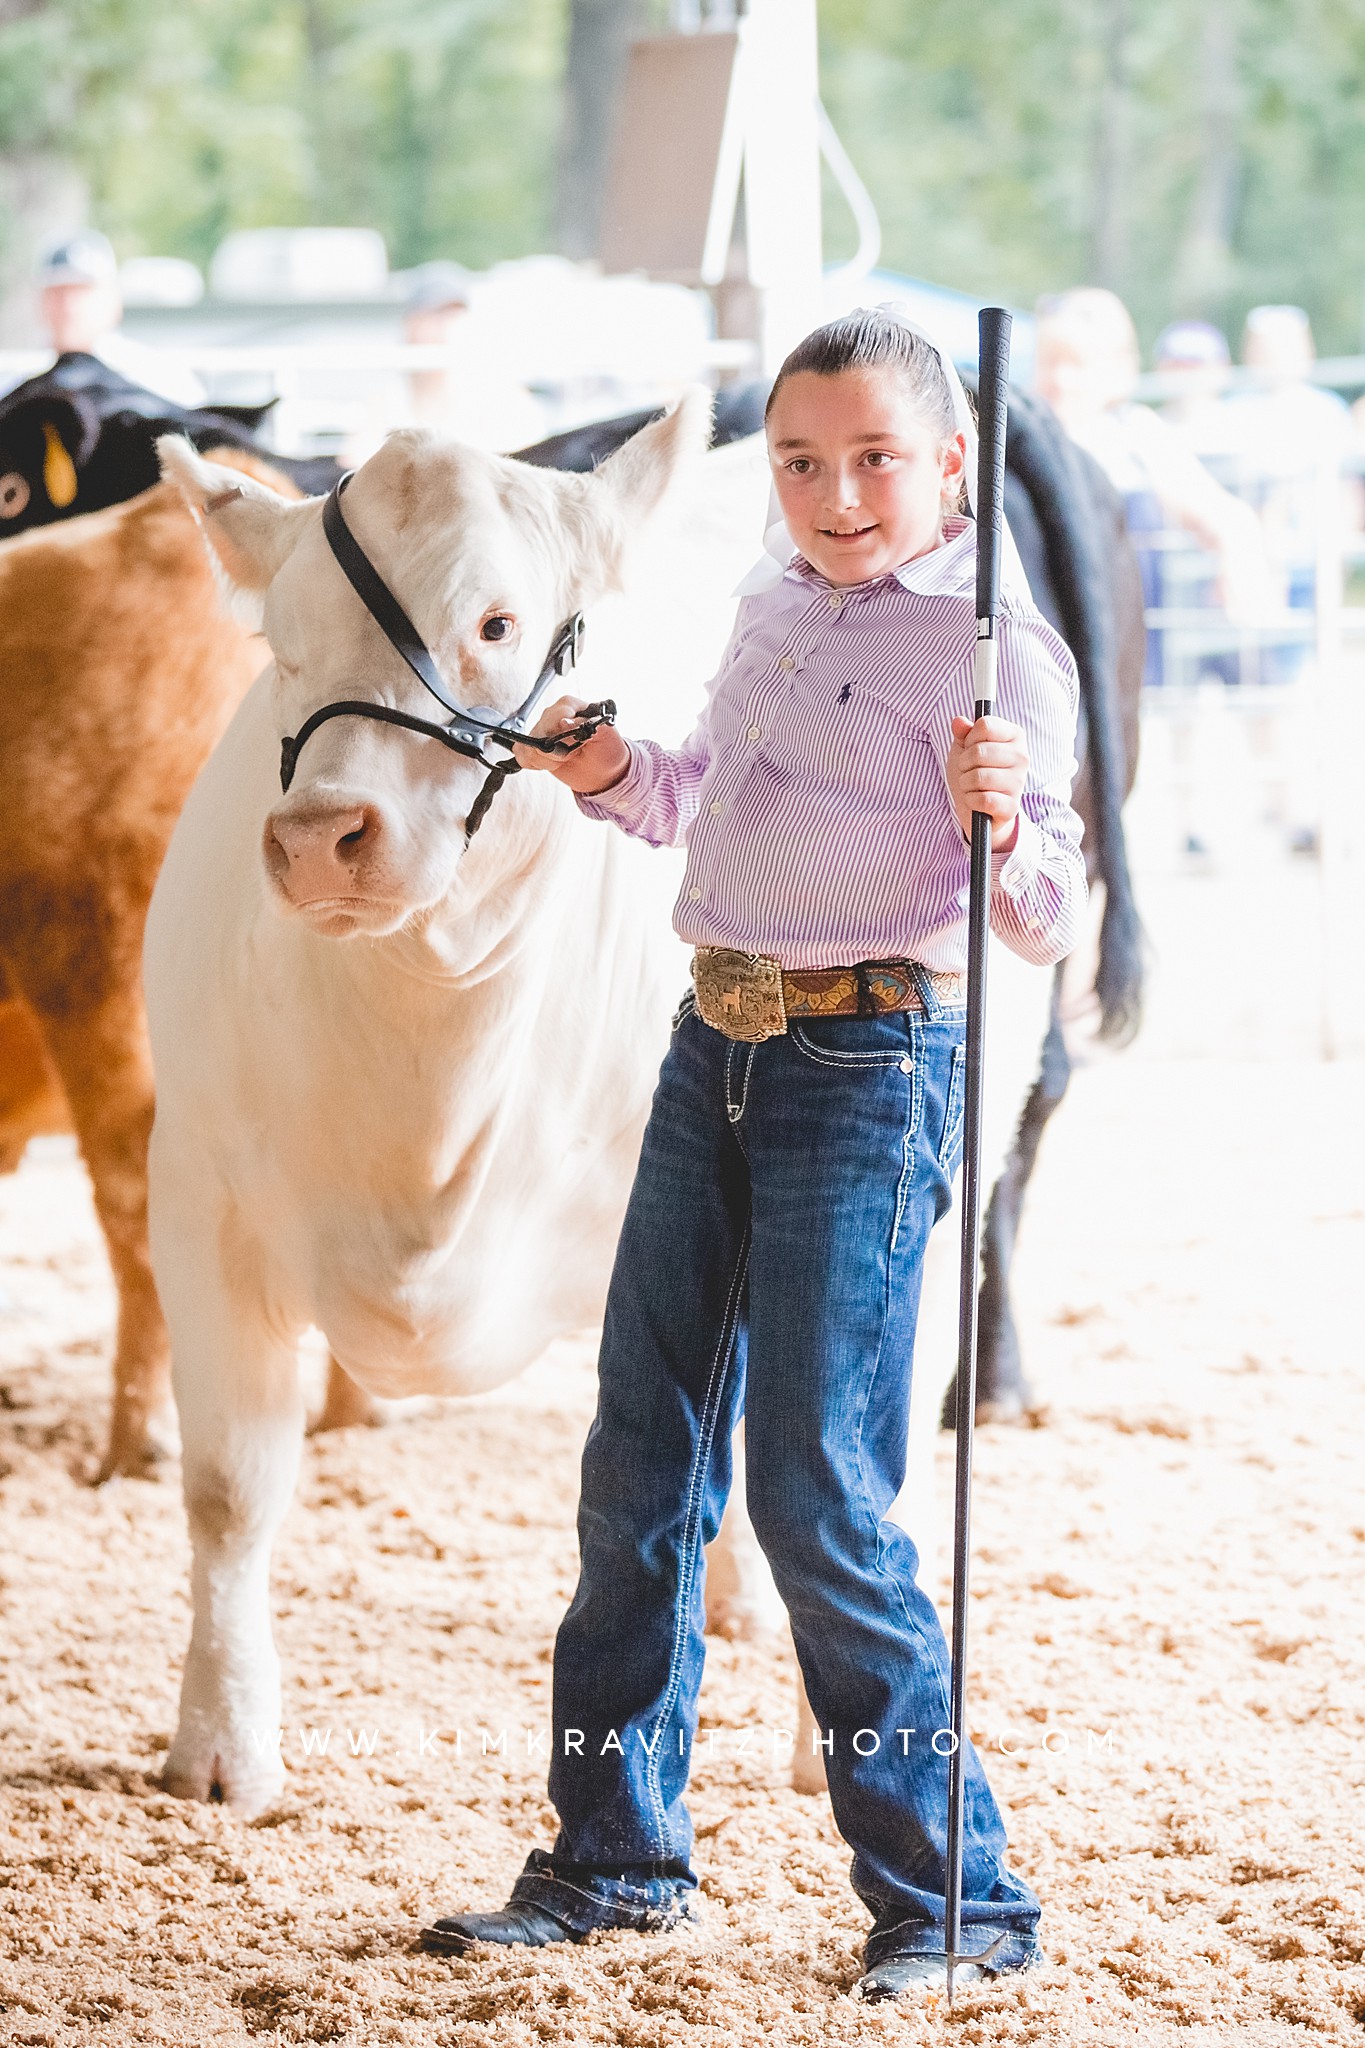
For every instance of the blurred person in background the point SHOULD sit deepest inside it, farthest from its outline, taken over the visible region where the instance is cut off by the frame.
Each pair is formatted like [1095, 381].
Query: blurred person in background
[1087, 366]
[436, 312]
[1296, 445]
[1295, 455]
[470, 397]
[81, 310]
[1194, 359]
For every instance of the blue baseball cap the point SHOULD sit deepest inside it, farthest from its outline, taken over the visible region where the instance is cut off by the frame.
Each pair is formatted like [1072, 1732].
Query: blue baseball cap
[1191, 344]
[87, 257]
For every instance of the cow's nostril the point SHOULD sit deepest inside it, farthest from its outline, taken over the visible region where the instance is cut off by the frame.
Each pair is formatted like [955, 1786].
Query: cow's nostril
[349, 841]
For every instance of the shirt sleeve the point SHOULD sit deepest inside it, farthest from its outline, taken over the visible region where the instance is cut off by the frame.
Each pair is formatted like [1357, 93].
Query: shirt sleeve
[1039, 893]
[658, 796]
[656, 799]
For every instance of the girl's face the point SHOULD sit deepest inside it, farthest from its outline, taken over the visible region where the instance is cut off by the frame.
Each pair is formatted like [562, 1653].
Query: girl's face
[862, 480]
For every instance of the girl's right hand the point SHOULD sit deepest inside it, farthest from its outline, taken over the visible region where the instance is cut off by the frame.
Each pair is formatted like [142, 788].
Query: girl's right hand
[588, 770]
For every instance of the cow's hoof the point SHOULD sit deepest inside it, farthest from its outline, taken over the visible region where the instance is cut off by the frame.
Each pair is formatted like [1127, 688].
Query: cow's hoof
[744, 1619]
[346, 1405]
[808, 1774]
[141, 1451]
[999, 1410]
[244, 1787]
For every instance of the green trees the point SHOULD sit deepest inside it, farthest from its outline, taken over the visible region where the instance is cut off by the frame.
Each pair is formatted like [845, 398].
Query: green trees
[1195, 155]
[433, 120]
[1198, 155]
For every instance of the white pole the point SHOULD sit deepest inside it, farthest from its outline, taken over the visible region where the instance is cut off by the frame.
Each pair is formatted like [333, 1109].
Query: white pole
[1327, 698]
[780, 86]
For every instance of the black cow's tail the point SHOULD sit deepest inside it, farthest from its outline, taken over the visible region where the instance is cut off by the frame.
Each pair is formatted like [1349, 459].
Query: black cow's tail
[1074, 503]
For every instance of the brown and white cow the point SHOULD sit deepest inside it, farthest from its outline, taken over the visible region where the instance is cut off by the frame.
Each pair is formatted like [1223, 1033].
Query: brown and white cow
[119, 669]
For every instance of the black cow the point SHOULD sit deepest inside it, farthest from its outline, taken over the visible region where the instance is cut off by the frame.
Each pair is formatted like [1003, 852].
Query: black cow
[81, 437]
[1069, 524]
[737, 413]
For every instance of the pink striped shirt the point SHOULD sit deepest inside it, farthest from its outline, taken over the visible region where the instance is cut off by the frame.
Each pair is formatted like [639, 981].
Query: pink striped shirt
[811, 794]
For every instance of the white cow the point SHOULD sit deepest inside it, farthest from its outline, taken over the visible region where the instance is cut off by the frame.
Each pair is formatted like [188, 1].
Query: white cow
[400, 1084]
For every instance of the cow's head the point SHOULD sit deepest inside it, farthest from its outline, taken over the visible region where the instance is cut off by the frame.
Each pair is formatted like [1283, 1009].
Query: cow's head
[45, 443]
[487, 556]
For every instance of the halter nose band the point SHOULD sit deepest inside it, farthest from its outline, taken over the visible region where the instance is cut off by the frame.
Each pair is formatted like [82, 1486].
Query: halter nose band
[468, 732]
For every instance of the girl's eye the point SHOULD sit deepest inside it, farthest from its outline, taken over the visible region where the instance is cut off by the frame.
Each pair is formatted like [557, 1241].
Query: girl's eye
[879, 456]
[496, 628]
[799, 465]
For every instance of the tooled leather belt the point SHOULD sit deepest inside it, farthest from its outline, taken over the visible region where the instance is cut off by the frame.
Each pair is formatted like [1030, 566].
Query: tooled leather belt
[750, 997]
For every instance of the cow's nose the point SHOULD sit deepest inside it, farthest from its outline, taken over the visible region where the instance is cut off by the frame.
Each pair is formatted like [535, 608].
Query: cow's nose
[314, 854]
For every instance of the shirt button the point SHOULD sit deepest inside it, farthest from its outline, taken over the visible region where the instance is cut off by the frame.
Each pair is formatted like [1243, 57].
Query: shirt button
[836, 598]
[755, 732]
[716, 808]
[694, 895]
[785, 661]
[1034, 924]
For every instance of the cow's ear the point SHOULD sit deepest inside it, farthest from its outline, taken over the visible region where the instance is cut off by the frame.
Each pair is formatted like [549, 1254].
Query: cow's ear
[251, 529]
[636, 477]
[605, 511]
[71, 427]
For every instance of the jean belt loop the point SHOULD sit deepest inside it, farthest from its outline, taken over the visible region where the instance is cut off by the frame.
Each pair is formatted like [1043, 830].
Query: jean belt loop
[928, 994]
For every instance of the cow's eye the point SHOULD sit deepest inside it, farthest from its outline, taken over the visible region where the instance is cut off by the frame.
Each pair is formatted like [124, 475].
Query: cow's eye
[14, 494]
[496, 628]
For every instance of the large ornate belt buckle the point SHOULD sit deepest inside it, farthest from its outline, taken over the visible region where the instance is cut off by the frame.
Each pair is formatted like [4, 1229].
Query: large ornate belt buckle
[739, 993]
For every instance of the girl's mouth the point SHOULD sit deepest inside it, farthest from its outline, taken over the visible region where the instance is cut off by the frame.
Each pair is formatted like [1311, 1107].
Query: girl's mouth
[848, 534]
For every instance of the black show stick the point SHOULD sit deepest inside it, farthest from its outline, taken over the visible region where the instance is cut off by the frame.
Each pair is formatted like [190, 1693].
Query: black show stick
[993, 326]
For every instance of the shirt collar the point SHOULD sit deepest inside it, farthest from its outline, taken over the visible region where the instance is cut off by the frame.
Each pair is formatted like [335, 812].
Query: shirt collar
[945, 570]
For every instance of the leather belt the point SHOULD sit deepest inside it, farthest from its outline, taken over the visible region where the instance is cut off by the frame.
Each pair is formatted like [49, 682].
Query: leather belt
[750, 997]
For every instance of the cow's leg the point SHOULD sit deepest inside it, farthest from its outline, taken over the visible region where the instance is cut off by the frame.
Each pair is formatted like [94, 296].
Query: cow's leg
[1022, 1015]
[1002, 1392]
[741, 1600]
[31, 1099]
[808, 1760]
[345, 1404]
[239, 1392]
[101, 1057]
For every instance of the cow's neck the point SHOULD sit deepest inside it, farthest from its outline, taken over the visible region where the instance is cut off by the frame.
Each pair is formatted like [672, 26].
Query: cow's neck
[507, 899]
[433, 1044]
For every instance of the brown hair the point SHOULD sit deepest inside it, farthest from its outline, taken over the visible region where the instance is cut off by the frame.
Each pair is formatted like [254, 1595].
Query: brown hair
[869, 339]
[874, 340]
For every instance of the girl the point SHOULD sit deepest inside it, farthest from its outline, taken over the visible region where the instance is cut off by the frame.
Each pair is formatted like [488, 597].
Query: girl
[801, 1145]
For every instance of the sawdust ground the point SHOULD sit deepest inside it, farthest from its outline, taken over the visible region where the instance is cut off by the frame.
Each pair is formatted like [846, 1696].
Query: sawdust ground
[1168, 1675]
[1167, 1631]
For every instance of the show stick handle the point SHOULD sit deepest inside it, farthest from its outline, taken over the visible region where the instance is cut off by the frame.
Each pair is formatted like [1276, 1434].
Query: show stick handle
[993, 328]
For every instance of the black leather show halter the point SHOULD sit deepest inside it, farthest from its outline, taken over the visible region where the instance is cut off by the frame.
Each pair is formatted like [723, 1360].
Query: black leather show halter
[469, 731]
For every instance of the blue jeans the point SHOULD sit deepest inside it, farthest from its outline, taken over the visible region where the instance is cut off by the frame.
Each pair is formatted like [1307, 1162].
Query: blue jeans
[769, 1265]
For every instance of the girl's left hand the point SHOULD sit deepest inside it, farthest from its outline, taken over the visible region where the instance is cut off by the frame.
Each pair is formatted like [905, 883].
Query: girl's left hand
[987, 766]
